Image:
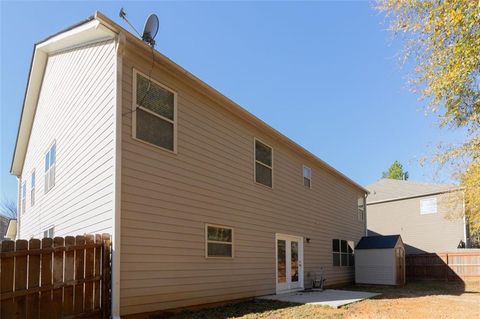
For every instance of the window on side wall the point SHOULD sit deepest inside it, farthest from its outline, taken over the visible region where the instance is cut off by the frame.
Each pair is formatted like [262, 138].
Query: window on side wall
[154, 112]
[428, 206]
[49, 233]
[343, 253]
[50, 159]
[263, 164]
[307, 177]
[24, 196]
[32, 189]
[219, 241]
[361, 208]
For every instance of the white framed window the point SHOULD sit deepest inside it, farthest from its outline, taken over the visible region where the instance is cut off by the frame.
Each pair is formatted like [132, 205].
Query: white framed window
[361, 208]
[343, 253]
[263, 164]
[307, 176]
[24, 196]
[218, 241]
[154, 113]
[428, 206]
[32, 189]
[50, 160]
[49, 232]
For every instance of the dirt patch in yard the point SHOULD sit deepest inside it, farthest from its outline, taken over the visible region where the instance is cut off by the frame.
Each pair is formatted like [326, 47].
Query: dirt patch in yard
[415, 300]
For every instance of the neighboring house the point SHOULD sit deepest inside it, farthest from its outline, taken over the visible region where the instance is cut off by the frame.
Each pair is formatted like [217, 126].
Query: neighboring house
[3, 226]
[429, 217]
[205, 201]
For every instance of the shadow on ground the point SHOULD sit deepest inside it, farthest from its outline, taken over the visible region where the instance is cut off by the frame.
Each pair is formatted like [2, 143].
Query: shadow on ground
[251, 307]
[420, 289]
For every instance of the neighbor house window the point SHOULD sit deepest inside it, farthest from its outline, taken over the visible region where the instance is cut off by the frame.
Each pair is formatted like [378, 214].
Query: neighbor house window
[154, 113]
[361, 208]
[219, 241]
[50, 159]
[49, 233]
[263, 164]
[342, 252]
[428, 206]
[24, 196]
[32, 190]
[307, 176]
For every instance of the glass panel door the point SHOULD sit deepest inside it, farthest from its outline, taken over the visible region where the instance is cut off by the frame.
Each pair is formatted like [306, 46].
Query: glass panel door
[289, 263]
[281, 261]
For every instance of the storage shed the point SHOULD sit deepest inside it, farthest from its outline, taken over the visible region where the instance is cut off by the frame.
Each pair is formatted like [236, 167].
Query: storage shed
[380, 260]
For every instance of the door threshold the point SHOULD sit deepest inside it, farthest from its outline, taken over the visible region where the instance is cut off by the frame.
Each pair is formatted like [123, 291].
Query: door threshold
[281, 292]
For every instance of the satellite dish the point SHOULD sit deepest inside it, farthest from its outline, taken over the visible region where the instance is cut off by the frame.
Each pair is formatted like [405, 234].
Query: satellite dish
[151, 29]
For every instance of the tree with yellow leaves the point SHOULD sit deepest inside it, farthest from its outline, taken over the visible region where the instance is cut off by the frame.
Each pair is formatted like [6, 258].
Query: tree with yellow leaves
[442, 38]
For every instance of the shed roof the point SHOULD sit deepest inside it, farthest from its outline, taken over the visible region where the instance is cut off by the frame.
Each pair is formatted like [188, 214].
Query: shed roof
[378, 242]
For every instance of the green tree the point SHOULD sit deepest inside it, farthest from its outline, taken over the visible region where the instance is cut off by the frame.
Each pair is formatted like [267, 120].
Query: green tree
[395, 171]
[442, 39]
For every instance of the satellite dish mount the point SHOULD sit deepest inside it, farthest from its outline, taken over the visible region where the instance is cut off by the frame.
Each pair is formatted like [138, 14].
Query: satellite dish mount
[150, 30]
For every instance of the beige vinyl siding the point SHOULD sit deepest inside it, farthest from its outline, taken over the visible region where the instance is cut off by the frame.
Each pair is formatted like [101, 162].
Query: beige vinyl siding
[76, 110]
[437, 232]
[168, 198]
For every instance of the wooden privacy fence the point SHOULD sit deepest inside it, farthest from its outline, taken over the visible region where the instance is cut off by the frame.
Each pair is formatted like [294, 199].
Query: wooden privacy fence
[464, 266]
[55, 278]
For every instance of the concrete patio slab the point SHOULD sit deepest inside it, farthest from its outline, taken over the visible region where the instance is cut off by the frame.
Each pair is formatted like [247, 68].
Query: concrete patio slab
[329, 297]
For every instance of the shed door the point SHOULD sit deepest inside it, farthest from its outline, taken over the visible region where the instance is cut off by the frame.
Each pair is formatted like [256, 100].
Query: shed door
[400, 264]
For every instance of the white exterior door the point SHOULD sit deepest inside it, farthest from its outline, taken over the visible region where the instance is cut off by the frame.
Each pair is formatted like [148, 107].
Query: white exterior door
[289, 262]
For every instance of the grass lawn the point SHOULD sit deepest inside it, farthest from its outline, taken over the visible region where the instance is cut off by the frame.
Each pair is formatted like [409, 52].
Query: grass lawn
[415, 300]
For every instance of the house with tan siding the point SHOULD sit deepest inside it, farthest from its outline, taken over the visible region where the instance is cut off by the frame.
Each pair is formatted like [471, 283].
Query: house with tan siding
[205, 202]
[429, 217]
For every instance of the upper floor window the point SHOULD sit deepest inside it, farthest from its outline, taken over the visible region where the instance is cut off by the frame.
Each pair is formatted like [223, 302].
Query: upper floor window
[24, 196]
[32, 189]
[307, 176]
[263, 164]
[50, 159]
[219, 241]
[361, 208]
[428, 206]
[154, 116]
[342, 252]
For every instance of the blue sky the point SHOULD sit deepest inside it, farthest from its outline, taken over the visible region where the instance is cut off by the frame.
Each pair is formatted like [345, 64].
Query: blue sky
[326, 74]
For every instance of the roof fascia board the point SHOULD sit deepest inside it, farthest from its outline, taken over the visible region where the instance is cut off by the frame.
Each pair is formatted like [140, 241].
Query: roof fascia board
[89, 31]
[394, 199]
[226, 102]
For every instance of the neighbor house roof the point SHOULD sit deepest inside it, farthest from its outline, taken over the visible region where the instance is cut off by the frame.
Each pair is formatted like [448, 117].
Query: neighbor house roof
[106, 28]
[378, 242]
[387, 189]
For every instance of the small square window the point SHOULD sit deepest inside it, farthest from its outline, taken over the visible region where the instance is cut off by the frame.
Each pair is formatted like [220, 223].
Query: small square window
[49, 233]
[343, 253]
[219, 241]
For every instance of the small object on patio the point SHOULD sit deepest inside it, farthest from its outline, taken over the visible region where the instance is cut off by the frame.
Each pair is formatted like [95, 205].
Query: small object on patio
[319, 280]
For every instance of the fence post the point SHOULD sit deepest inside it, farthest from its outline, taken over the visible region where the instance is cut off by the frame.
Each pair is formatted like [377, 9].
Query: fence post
[68, 276]
[79, 274]
[33, 278]
[58, 242]
[46, 279]
[21, 277]
[106, 276]
[6, 284]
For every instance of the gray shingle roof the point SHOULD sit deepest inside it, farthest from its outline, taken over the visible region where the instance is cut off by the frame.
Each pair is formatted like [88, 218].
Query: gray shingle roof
[378, 242]
[385, 189]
